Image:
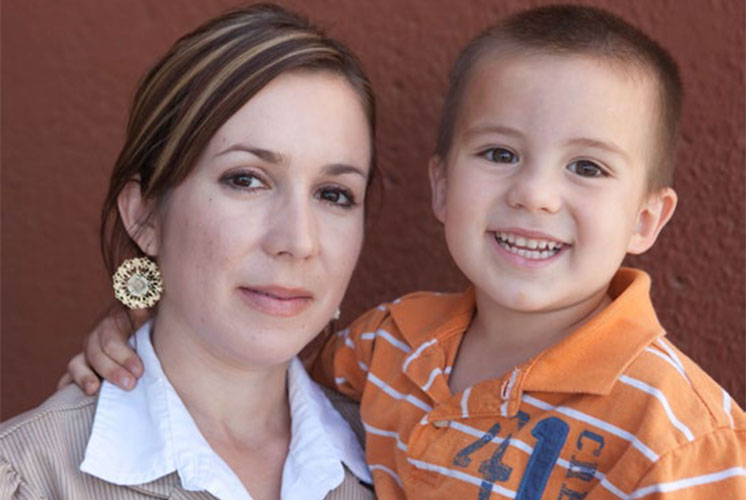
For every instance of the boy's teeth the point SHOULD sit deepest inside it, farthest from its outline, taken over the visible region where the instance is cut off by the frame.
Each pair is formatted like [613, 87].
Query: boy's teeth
[528, 247]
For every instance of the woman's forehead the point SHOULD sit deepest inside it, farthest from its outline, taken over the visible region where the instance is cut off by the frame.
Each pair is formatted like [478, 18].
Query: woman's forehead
[299, 115]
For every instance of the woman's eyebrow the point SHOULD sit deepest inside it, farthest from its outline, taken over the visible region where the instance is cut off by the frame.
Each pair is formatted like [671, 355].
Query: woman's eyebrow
[279, 159]
[264, 154]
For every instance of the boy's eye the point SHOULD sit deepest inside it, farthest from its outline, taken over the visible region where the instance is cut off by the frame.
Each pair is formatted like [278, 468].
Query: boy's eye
[586, 168]
[336, 196]
[243, 180]
[500, 155]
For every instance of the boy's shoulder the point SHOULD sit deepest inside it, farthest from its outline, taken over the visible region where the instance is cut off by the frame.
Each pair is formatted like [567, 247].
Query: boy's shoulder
[677, 394]
[684, 428]
[416, 316]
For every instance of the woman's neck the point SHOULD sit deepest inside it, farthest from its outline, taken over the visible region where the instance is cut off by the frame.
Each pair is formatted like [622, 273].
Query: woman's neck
[228, 401]
[242, 411]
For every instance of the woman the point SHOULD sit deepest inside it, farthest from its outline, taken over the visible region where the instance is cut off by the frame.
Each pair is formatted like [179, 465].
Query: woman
[243, 175]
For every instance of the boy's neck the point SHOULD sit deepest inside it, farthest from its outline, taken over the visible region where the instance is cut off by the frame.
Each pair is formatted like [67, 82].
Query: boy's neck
[498, 338]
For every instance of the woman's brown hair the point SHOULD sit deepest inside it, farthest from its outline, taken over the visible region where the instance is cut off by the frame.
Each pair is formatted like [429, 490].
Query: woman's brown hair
[198, 85]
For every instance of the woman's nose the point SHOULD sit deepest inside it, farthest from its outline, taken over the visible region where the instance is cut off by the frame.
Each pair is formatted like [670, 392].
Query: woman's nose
[293, 229]
[535, 189]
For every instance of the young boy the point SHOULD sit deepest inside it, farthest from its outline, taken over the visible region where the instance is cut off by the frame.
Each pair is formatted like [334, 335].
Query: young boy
[550, 377]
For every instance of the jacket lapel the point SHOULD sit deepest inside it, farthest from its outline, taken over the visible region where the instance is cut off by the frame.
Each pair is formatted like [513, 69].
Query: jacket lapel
[169, 488]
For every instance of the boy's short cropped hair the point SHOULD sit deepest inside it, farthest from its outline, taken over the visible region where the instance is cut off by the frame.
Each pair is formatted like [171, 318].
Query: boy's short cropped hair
[576, 30]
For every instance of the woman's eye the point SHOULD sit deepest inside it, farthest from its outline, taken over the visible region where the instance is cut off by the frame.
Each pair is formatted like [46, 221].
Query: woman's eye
[336, 196]
[500, 155]
[585, 168]
[244, 180]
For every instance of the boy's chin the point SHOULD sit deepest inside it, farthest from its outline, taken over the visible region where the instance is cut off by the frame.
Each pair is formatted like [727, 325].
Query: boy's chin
[538, 298]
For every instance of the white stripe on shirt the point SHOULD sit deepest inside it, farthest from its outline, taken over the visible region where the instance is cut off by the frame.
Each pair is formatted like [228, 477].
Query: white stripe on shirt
[726, 406]
[465, 403]
[431, 378]
[388, 338]
[398, 395]
[607, 484]
[514, 442]
[713, 477]
[578, 415]
[467, 478]
[387, 471]
[391, 434]
[417, 352]
[671, 353]
[668, 360]
[648, 389]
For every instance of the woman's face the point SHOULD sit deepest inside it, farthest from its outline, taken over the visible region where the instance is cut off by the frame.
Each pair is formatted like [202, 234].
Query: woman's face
[257, 245]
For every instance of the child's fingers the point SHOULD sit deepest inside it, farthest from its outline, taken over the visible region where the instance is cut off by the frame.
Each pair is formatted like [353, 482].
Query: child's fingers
[105, 365]
[81, 374]
[66, 379]
[139, 316]
[114, 345]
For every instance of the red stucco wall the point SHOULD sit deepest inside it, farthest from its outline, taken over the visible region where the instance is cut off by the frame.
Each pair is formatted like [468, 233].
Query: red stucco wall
[69, 69]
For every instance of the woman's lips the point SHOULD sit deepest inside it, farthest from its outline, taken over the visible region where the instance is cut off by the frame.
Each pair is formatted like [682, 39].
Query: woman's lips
[277, 301]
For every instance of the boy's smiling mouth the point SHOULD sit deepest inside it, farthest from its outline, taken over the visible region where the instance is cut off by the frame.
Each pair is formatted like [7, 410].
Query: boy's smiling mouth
[529, 248]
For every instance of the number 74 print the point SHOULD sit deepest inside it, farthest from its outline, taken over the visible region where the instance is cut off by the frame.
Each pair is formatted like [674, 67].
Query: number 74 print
[550, 434]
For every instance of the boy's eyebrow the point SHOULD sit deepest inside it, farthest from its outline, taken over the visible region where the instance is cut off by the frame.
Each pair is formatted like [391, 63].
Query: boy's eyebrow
[599, 144]
[493, 128]
[277, 158]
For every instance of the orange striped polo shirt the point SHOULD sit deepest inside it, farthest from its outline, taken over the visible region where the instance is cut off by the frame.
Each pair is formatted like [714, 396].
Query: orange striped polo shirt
[612, 411]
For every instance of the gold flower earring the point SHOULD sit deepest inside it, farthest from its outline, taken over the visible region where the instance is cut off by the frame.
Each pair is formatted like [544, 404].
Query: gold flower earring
[138, 283]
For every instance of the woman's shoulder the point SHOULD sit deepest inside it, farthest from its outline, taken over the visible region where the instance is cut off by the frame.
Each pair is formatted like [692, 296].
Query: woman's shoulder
[54, 432]
[68, 406]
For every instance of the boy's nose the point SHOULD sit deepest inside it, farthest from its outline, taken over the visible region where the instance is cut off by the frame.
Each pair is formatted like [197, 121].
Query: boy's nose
[293, 229]
[535, 189]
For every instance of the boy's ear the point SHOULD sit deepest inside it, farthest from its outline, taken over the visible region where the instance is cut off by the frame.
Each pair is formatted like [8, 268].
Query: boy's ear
[655, 212]
[438, 187]
[136, 212]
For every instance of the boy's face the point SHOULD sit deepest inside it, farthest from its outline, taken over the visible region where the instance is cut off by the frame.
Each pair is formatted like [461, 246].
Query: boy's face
[544, 189]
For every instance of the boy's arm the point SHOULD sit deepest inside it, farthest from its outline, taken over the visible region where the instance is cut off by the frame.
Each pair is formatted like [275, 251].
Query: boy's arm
[711, 466]
[342, 364]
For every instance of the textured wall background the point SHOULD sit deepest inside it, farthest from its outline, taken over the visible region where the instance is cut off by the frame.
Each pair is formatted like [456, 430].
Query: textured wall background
[69, 69]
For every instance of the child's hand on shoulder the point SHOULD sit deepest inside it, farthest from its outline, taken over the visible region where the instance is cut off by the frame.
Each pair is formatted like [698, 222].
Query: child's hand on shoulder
[106, 354]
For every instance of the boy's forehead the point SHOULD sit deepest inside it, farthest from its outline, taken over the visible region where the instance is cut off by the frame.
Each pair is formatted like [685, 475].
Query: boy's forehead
[574, 93]
[495, 70]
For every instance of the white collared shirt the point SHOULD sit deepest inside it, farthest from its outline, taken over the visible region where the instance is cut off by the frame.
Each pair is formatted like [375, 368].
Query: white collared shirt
[147, 433]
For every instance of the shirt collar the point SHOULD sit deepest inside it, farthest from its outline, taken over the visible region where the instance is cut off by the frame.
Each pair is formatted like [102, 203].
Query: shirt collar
[447, 314]
[147, 433]
[589, 360]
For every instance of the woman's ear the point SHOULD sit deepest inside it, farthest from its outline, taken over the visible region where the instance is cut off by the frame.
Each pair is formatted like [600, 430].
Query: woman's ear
[438, 187]
[655, 212]
[137, 217]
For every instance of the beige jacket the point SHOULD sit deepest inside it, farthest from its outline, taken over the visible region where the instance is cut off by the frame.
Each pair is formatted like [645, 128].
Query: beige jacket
[41, 450]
